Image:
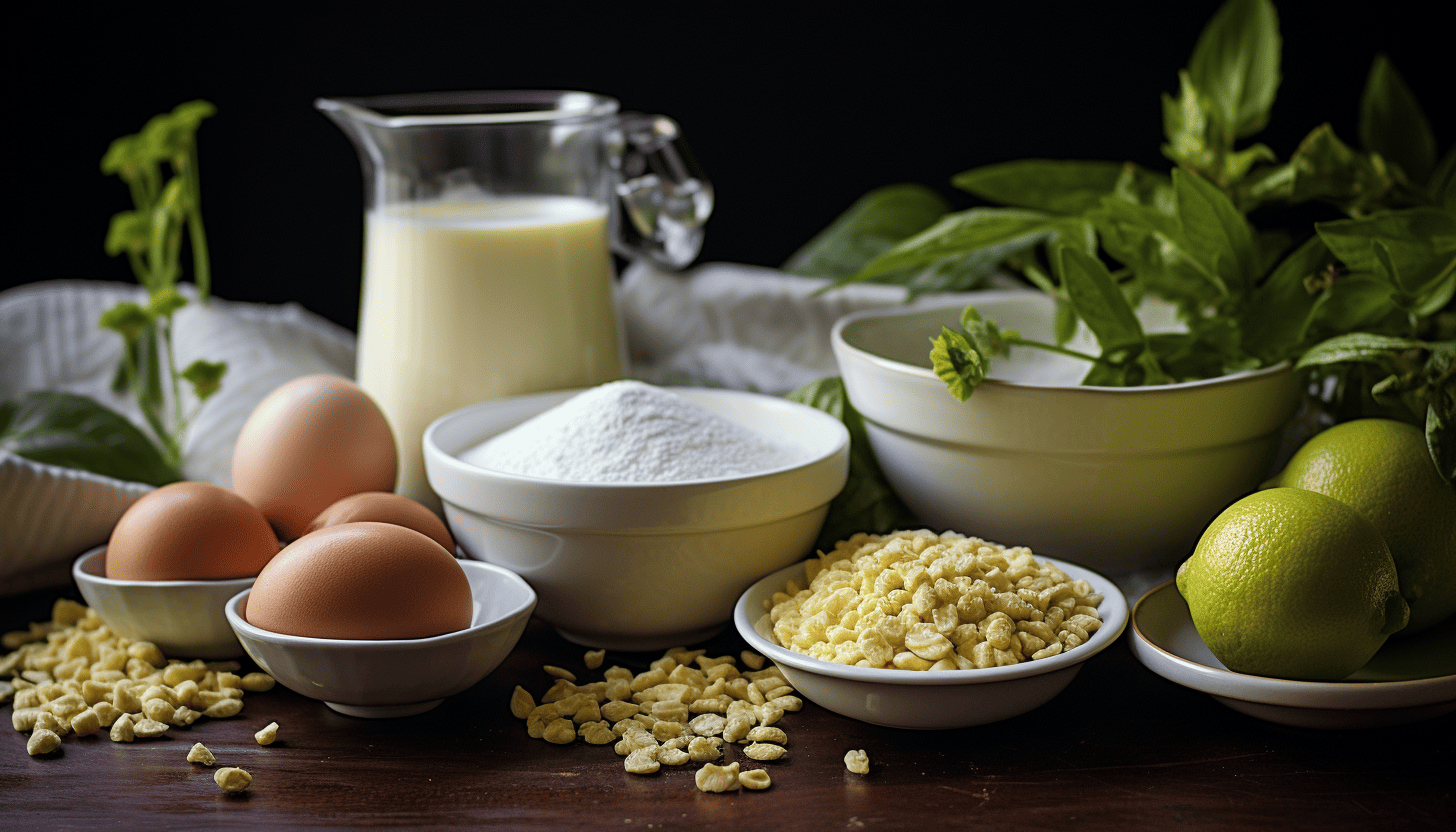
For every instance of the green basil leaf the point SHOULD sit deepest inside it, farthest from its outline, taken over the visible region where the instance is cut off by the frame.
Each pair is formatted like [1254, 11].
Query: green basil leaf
[1050, 185]
[1443, 181]
[1414, 250]
[205, 377]
[1236, 63]
[1441, 442]
[1099, 301]
[76, 431]
[1276, 321]
[867, 503]
[1152, 245]
[872, 225]
[1355, 346]
[1002, 230]
[1359, 302]
[1392, 124]
[1192, 132]
[1215, 233]
[1327, 169]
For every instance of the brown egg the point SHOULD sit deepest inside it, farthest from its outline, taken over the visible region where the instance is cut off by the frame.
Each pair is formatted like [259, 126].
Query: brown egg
[189, 531]
[361, 581]
[386, 507]
[311, 442]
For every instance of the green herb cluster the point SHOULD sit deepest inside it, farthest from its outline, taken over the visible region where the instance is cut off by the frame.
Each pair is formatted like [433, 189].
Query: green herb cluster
[1362, 301]
[159, 166]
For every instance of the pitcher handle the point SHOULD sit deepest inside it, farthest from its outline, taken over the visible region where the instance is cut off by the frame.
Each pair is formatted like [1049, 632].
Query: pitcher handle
[665, 198]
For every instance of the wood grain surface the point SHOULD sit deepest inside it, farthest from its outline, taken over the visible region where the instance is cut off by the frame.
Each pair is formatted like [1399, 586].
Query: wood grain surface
[1121, 748]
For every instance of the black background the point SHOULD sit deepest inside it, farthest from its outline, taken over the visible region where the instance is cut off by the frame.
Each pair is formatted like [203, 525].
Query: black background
[793, 110]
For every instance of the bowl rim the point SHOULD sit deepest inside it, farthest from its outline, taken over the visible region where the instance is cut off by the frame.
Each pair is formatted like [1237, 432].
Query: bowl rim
[81, 575]
[454, 463]
[246, 631]
[838, 342]
[1114, 610]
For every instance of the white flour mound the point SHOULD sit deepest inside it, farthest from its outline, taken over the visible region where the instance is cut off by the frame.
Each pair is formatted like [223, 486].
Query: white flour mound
[628, 431]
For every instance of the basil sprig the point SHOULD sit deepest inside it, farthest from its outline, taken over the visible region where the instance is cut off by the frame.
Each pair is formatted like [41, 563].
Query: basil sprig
[159, 166]
[1213, 235]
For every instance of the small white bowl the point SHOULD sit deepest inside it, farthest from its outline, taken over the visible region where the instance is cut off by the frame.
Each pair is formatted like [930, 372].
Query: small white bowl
[1117, 478]
[185, 619]
[396, 677]
[639, 566]
[923, 699]
[1410, 679]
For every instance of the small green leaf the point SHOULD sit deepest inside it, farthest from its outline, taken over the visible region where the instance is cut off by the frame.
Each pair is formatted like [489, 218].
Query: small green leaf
[128, 319]
[956, 361]
[1053, 186]
[1003, 230]
[1099, 301]
[1413, 250]
[1215, 233]
[1192, 138]
[129, 233]
[205, 377]
[1325, 168]
[1355, 346]
[78, 432]
[1392, 124]
[872, 225]
[1236, 63]
[1276, 321]
[165, 302]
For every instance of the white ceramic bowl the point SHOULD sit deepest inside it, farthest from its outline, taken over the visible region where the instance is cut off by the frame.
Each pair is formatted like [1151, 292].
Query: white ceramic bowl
[1410, 679]
[639, 566]
[185, 619]
[924, 699]
[1114, 478]
[396, 677]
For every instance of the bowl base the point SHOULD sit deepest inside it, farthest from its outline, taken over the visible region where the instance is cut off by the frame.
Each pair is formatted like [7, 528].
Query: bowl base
[635, 644]
[384, 711]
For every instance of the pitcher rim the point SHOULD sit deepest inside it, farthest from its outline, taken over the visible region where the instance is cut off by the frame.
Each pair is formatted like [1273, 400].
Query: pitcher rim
[528, 106]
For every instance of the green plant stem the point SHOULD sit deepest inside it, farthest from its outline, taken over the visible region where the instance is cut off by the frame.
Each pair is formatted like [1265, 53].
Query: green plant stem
[201, 266]
[1041, 345]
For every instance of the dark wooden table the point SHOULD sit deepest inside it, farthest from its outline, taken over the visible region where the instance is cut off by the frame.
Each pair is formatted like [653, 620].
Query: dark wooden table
[1121, 748]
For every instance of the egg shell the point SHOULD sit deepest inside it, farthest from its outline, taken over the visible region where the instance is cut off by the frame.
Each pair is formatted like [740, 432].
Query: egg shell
[386, 507]
[361, 581]
[189, 531]
[308, 444]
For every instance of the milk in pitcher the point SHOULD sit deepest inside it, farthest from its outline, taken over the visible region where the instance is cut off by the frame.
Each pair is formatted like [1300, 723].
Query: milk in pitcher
[467, 301]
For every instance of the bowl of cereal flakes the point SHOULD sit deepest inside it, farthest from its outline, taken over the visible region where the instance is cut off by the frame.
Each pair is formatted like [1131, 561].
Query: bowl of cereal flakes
[926, 631]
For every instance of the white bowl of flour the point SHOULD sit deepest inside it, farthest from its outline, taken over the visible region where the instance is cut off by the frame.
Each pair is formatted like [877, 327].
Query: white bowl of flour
[637, 513]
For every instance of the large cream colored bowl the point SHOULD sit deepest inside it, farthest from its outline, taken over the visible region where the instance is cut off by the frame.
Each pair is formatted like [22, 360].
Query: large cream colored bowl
[639, 566]
[1113, 478]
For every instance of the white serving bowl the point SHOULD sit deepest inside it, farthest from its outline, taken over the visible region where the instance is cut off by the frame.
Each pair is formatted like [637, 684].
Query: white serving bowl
[1115, 478]
[185, 619]
[396, 677]
[639, 566]
[924, 699]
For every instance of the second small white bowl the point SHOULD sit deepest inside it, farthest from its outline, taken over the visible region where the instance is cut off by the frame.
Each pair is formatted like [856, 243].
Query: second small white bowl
[926, 699]
[396, 677]
[185, 619]
[640, 566]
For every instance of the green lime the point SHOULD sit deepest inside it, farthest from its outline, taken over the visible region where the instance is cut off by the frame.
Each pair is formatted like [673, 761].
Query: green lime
[1292, 584]
[1381, 468]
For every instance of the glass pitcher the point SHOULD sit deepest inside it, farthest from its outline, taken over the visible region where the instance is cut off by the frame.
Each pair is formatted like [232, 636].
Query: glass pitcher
[490, 219]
